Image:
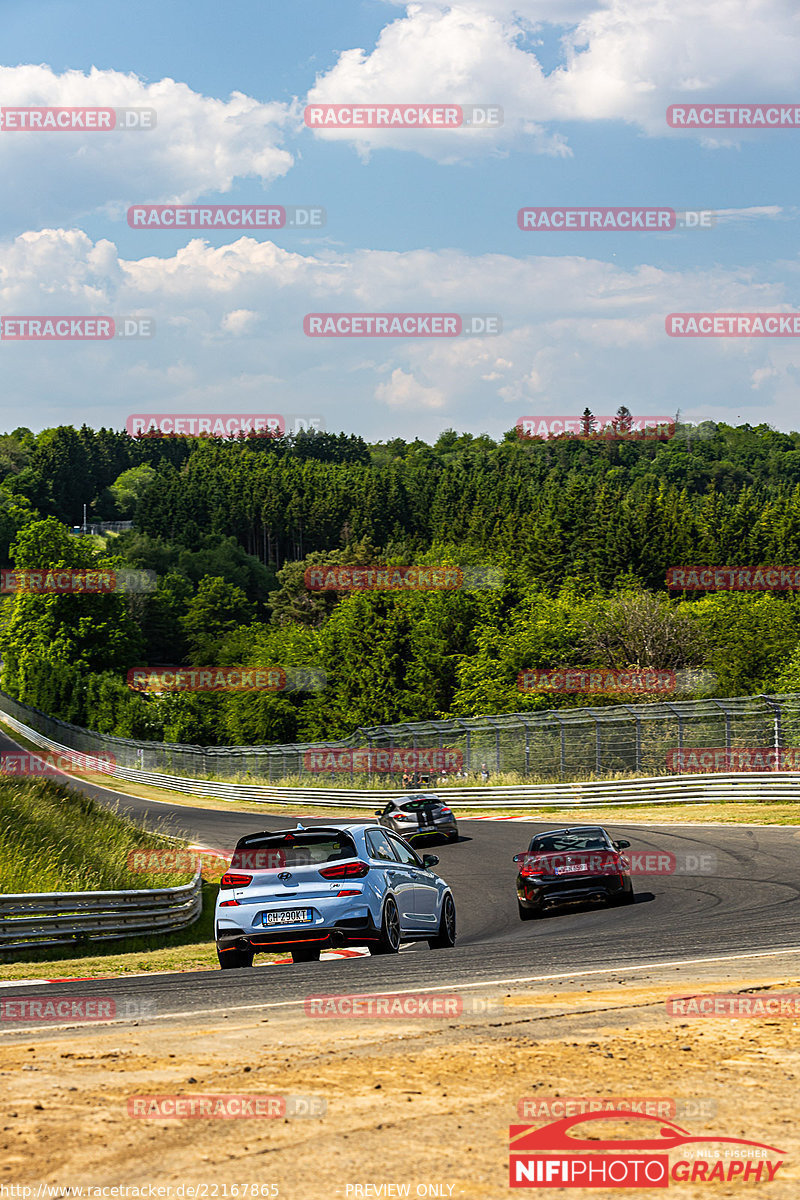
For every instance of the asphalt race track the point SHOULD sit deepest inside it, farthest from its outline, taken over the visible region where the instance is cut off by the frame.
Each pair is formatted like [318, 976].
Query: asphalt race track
[744, 899]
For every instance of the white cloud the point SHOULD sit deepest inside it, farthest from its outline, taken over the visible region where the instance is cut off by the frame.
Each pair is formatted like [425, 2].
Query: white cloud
[200, 145]
[240, 321]
[229, 324]
[405, 392]
[625, 60]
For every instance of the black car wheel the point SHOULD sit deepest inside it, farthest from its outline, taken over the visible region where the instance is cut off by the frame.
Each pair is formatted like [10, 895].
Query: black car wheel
[446, 936]
[389, 938]
[229, 959]
[305, 954]
[527, 914]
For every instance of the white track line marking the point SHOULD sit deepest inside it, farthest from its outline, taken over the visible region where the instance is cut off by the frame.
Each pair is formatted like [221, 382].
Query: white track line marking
[445, 987]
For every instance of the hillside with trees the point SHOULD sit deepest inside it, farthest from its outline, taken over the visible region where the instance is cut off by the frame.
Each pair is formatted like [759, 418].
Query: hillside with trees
[580, 531]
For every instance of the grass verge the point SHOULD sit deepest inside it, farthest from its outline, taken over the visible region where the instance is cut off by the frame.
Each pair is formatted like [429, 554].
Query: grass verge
[55, 839]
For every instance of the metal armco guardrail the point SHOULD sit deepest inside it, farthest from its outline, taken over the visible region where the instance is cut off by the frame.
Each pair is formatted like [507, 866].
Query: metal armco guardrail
[665, 789]
[31, 919]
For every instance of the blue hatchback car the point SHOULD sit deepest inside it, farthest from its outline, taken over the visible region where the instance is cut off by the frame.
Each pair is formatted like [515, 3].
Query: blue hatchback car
[305, 890]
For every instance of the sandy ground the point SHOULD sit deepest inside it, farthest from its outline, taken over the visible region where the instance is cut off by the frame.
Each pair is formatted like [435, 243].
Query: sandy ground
[423, 1104]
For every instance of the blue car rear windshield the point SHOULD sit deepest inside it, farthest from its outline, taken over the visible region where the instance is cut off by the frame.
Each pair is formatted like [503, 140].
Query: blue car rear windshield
[292, 850]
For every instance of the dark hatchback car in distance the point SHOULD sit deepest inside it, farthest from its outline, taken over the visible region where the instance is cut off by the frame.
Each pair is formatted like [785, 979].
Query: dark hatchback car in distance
[420, 815]
[579, 864]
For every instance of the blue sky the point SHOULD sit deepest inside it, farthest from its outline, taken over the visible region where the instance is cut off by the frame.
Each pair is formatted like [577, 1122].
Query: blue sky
[416, 220]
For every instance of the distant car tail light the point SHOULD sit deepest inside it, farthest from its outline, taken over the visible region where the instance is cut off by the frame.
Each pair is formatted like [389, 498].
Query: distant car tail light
[531, 867]
[446, 810]
[350, 892]
[398, 816]
[229, 903]
[619, 867]
[231, 879]
[348, 870]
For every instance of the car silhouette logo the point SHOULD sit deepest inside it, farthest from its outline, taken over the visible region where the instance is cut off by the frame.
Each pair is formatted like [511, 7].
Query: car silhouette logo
[557, 1135]
[284, 875]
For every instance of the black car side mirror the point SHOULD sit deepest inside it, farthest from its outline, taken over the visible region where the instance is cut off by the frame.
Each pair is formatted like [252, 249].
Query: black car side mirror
[518, 857]
[378, 812]
[430, 860]
[622, 844]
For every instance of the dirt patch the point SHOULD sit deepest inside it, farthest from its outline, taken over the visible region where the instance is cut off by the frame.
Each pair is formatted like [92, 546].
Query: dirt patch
[423, 1103]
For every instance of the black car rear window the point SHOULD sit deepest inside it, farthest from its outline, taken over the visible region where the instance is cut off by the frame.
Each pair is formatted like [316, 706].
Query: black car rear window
[271, 852]
[584, 839]
[417, 805]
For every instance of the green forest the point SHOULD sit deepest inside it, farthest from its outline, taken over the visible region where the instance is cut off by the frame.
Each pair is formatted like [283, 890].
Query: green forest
[575, 534]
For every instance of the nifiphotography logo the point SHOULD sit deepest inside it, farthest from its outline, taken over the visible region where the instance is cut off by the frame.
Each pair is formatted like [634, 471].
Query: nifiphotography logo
[664, 1153]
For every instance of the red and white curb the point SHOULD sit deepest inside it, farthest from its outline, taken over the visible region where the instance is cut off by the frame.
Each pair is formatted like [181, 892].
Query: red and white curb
[358, 952]
[67, 979]
[538, 820]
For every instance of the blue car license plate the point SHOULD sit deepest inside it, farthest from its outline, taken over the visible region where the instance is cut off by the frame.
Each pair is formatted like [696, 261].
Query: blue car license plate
[287, 916]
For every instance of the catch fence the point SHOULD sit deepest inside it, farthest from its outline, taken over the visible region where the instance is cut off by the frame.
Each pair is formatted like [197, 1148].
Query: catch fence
[559, 745]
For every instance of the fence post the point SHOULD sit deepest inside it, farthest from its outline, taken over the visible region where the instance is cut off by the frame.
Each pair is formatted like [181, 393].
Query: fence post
[637, 736]
[527, 746]
[778, 736]
[679, 719]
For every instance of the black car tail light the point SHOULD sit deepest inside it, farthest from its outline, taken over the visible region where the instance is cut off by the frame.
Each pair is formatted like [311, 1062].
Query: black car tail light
[348, 870]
